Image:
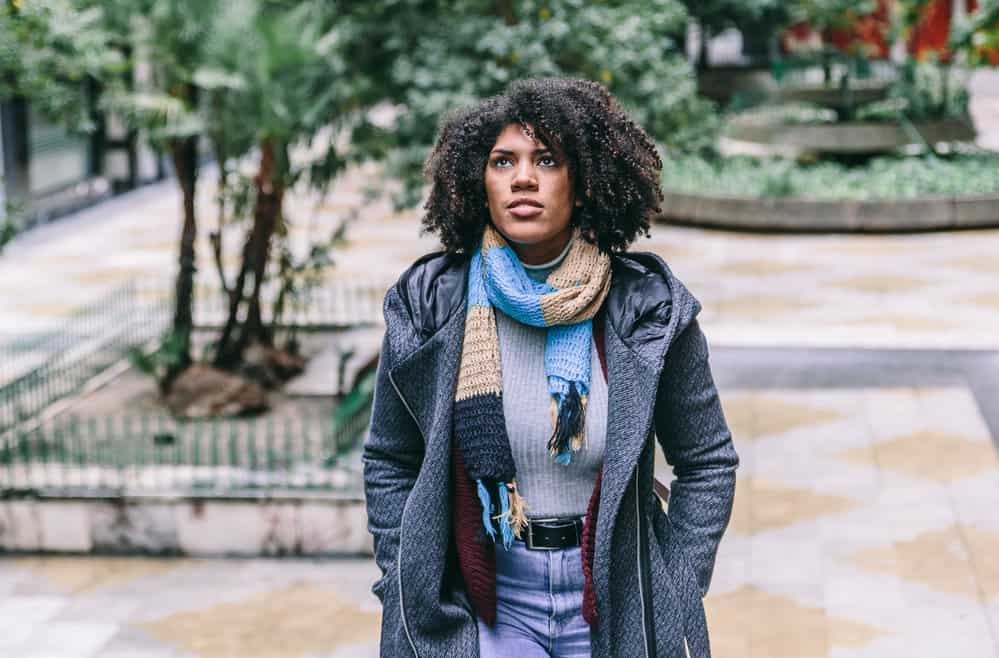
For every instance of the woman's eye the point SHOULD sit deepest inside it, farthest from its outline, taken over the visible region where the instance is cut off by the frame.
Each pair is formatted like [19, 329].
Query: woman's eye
[549, 159]
[500, 160]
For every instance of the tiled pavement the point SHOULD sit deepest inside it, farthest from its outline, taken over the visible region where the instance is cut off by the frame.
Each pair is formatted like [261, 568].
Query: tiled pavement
[867, 516]
[936, 290]
[865, 526]
[78, 607]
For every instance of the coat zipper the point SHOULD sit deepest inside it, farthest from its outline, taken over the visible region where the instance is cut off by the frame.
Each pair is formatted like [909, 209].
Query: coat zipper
[398, 555]
[641, 572]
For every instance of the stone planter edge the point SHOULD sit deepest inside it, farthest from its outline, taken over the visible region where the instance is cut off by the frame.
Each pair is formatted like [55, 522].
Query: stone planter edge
[308, 526]
[796, 214]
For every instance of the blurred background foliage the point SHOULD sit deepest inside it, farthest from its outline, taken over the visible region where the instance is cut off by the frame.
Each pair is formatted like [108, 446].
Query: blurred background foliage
[287, 67]
[440, 55]
[286, 93]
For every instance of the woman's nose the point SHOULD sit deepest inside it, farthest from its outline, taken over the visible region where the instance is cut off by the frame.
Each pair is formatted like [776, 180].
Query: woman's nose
[524, 176]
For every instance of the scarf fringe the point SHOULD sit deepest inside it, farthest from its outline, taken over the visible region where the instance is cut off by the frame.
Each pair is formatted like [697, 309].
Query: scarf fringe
[506, 529]
[487, 506]
[512, 517]
[518, 510]
[569, 426]
[579, 440]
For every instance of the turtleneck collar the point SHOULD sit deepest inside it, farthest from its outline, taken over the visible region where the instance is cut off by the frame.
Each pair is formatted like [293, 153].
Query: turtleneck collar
[541, 272]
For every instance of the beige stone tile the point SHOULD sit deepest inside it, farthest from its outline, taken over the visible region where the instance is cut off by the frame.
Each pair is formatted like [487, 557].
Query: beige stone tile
[880, 283]
[741, 522]
[938, 559]
[765, 267]
[983, 545]
[750, 622]
[762, 505]
[670, 251]
[159, 244]
[65, 259]
[755, 307]
[986, 263]
[901, 321]
[47, 309]
[988, 299]
[885, 247]
[740, 414]
[776, 414]
[102, 276]
[938, 456]
[77, 575]
[296, 620]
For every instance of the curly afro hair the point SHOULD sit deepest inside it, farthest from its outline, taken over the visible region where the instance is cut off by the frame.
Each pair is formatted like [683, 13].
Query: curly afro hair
[612, 162]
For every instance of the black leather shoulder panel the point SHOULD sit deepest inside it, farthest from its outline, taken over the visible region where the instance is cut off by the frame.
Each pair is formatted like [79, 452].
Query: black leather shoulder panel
[432, 289]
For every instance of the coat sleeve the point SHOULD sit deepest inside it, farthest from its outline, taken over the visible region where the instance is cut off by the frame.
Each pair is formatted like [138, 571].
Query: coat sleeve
[392, 455]
[696, 441]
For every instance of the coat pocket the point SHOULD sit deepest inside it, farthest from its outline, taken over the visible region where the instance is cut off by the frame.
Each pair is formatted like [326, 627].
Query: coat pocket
[379, 587]
[392, 638]
[685, 586]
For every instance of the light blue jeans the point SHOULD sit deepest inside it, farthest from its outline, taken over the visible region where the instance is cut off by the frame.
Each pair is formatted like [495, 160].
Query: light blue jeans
[539, 599]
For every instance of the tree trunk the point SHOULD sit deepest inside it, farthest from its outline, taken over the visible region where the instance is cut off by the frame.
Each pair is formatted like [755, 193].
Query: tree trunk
[15, 130]
[97, 139]
[504, 9]
[703, 55]
[238, 334]
[184, 153]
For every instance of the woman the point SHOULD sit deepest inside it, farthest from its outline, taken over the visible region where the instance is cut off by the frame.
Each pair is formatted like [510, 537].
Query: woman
[524, 373]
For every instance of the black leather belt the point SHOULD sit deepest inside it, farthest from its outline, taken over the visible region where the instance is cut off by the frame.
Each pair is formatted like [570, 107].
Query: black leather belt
[553, 534]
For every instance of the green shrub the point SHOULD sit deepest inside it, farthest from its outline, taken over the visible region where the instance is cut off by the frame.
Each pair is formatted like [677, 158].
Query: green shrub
[896, 177]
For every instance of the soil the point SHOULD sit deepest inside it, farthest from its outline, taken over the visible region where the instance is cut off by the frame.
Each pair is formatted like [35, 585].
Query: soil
[136, 393]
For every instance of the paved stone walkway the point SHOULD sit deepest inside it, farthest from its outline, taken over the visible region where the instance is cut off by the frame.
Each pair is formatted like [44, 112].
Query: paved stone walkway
[938, 290]
[865, 526]
[78, 607]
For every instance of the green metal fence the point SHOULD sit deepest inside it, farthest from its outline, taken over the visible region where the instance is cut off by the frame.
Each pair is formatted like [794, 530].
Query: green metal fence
[136, 454]
[38, 370]
[336, 304]
[43, 448]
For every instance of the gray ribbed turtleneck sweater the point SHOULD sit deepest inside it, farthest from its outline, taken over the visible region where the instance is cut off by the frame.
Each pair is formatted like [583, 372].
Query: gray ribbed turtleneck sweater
[549, 489]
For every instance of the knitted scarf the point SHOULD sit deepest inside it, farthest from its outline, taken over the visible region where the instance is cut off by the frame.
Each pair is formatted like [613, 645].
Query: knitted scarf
[565, 303]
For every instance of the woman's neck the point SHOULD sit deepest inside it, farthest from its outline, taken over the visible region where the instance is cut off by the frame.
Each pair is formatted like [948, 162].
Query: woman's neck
[554, 262]
[536, 255]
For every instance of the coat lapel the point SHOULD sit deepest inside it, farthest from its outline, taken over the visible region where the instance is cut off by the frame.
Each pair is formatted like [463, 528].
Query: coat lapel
[426, 381]
[632, 384]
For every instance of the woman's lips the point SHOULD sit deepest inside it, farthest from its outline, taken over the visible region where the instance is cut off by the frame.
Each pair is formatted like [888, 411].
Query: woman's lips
[525, 210]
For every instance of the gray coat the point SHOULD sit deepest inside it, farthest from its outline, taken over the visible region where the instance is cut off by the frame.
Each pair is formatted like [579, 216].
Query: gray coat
[650, 570]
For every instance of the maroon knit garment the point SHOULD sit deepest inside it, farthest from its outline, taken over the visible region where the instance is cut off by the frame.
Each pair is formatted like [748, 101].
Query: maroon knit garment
[477, 558]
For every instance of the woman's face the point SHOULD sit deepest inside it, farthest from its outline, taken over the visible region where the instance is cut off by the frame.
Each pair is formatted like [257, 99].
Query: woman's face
[530, 195]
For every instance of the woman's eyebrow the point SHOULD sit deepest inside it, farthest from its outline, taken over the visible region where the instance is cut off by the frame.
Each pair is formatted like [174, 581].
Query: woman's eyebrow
[509, 152]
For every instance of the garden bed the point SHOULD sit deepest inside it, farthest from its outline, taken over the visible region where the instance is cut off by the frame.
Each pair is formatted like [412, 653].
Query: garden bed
[722, 83]
[848, 137]
[860, 93]
[887, 194]
[119, 439]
